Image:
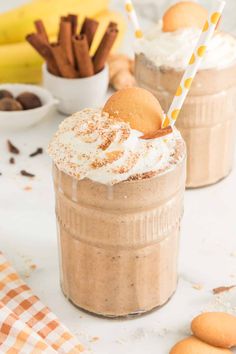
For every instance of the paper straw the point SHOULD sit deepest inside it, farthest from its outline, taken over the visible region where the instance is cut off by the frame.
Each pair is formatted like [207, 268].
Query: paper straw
[134, 18]
[194, 63]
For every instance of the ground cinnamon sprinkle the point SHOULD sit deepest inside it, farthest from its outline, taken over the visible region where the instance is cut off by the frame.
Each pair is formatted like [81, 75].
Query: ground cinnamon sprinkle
[125, 133]
[145, 175]
[108, 139]
[130, 163]
[110, 158]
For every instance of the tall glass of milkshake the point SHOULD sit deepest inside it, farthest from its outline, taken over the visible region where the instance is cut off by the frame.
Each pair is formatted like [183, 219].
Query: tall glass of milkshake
[207, 121]
[119, 204]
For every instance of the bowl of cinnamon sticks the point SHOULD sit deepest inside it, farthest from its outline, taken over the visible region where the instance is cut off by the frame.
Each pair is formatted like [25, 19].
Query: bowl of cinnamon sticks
[76, 77]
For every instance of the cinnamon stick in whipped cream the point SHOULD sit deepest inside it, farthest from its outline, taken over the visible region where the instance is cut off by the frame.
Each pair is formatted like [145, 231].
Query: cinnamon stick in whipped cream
[83, 59]
[158, 134]
[89, 28]
[40, 28]
[104, 48]
[38, 43]
[65, 39]
[74, 23]
[66, 69]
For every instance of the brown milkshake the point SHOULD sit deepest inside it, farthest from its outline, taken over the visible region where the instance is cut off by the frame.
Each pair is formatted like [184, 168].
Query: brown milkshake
[118, 228]
[207, 120]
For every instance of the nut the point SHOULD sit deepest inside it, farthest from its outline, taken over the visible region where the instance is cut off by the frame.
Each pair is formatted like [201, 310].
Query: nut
[9, 104]
[29, 100]
[5, 93]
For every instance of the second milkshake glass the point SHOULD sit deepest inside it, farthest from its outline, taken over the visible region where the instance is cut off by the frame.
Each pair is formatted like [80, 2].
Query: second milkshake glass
[207, 120]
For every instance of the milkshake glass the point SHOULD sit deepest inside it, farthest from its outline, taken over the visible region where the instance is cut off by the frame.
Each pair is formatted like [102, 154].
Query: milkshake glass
[207, 120]
[118, 227]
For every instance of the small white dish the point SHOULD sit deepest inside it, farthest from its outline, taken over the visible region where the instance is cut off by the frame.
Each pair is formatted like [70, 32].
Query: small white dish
[76, 94]
[13, 120]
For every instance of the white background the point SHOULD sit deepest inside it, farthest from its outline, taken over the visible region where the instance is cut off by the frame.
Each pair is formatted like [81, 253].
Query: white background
[28, 236]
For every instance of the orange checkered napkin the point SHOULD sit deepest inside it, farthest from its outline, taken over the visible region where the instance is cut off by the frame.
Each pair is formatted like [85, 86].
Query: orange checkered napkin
[25, 312]
[17, 337]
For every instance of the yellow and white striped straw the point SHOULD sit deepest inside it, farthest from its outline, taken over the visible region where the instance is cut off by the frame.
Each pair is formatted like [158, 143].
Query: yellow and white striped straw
[194, 63]
[134, 18]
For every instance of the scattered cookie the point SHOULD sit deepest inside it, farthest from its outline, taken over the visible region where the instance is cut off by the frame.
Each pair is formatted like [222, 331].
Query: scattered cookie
[136, 106]
[215, 328]
[192, 345]
[184, 14]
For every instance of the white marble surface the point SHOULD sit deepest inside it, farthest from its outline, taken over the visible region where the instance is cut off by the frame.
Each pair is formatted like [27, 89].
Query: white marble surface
[28, 236]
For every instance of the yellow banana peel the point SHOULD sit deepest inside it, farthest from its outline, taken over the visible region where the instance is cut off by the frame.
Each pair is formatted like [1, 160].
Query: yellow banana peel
[104, 18]
[19, 62]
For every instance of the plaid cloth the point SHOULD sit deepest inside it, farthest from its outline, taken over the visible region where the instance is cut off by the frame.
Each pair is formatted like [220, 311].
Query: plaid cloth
[26, 325]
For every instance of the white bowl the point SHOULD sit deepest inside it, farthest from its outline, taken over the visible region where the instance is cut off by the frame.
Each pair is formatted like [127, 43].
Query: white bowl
[76, 94]
[22, 119]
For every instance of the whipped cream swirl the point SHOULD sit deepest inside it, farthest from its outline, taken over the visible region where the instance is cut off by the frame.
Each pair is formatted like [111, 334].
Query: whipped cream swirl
[91, 145]
[173, 49]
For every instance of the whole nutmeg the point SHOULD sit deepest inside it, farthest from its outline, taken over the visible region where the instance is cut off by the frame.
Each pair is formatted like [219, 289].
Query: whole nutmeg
[29, 100]
[5, 93]
[9, 104]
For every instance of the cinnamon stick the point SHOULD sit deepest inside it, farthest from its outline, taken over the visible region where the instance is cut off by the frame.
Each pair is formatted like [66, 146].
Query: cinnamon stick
[38, 43]
[65, 40]
[89, 28]
[40, 28]
[74, 23]
[158, 134]
[104, 48]
[64, 66]
[112, 25]
[83, 59]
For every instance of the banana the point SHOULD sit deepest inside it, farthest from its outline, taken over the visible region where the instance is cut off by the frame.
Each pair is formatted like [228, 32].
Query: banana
[104, 18]
[19, 62]
[15, 24]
